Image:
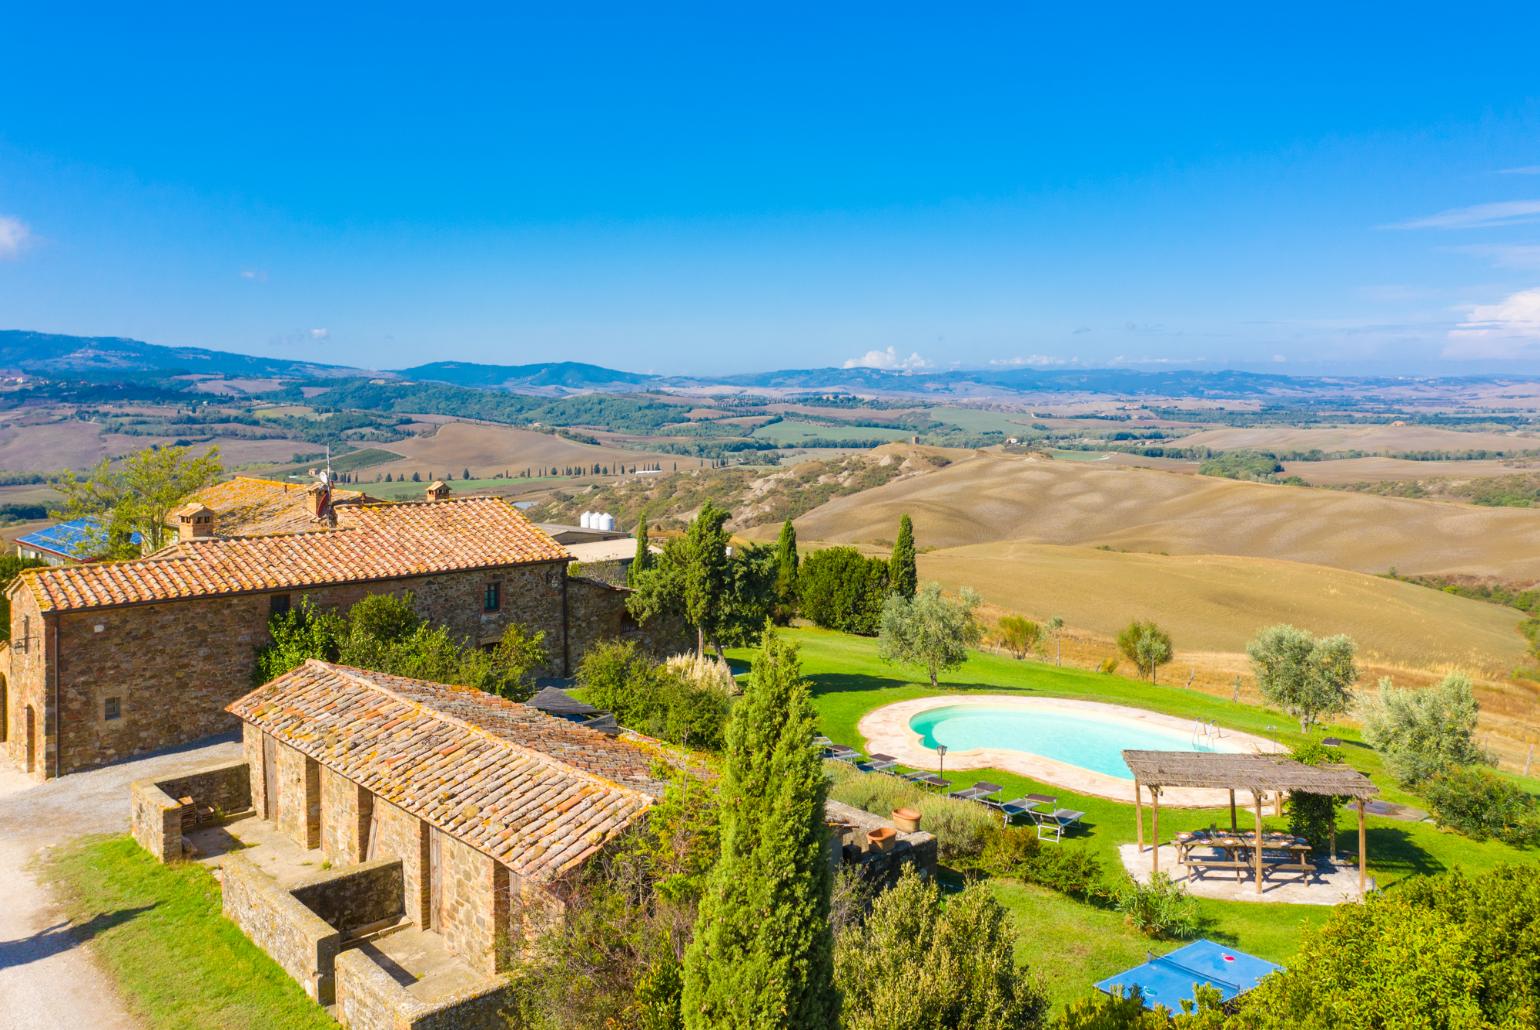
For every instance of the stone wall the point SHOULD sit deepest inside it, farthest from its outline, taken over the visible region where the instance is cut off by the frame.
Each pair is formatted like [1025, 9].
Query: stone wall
[345, 809]
[157, 817]
[358, 896]
[397, 834]
[28, 715]
[597, 612]
[849, 845]
[473, 903]
[300, 941]
[299, 796]
[155, 820]
[369, 998]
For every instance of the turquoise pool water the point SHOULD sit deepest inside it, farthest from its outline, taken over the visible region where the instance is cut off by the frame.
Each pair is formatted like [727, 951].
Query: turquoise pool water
[1083, 740]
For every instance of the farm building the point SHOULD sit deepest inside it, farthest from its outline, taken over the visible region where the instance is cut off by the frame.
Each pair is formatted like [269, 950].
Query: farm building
[114, 659]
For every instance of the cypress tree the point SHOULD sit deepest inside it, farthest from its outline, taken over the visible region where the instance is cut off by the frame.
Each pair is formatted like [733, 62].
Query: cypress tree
[763, 951]
[705, 573]
[903, 578]
[643, 560]
[786, 573]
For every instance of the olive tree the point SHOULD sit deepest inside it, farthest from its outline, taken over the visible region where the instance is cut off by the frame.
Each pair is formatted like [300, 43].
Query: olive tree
[1146, 645]
[1306, 676]
[135, 495]
[929, 630]
[1019, 635]
[1423, 732]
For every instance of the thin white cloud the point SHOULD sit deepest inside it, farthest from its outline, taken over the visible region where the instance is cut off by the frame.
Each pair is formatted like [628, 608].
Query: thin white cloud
[14, 236]
[1508, 329]
[1033, 361]
[320, 334]
[255, 275]
[1477, 216]
[889, 360]
[1522, 170]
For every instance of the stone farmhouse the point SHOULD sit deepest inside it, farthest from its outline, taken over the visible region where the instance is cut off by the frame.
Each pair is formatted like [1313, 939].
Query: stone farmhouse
[398, 824]
[113, 659]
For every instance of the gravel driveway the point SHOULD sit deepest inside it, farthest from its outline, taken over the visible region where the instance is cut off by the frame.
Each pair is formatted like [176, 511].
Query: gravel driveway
[48, 979]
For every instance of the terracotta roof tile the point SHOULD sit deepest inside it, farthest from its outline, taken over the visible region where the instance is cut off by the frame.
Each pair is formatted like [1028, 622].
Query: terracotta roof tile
[252, 506]
[374, 541]
[534, 792]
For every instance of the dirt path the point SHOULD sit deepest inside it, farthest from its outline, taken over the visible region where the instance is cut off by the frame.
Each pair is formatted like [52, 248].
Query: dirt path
[48, 978]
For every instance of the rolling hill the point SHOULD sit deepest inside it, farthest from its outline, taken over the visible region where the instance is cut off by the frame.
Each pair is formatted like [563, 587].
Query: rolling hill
[106, 358]
[564, 375]
[989, 497]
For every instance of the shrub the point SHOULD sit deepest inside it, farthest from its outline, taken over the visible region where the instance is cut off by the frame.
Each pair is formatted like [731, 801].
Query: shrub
[1108, 666]
[1146, 645]
[652, 698]
[1160, 908]
[840, 588]
[1480, 804]
[1018, 634]
[1424, 732]
[1070, 869]
[1439, 951]
[1314, 816]
[1009, 851]
[704, 671]
[918, 963]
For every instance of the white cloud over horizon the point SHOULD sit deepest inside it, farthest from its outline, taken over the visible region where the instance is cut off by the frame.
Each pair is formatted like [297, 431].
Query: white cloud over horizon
[889, 360]
[1509, 328]
[1477, 216]
[14, 236]
[1521, 170]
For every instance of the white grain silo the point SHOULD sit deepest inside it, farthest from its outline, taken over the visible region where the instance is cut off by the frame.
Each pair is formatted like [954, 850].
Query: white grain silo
[606, 522]
[586, 520]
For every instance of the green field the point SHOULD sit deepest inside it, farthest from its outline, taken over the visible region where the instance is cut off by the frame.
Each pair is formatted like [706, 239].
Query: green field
[977, 420]
[158, 930]
[791, 433]
[1088, 943]
[406, 490]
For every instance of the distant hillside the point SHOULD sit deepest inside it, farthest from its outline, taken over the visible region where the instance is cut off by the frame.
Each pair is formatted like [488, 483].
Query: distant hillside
[114, 357]
[561, 375]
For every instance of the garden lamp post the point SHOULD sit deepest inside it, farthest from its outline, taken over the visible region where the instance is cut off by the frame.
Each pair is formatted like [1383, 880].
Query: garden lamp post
[941, 760]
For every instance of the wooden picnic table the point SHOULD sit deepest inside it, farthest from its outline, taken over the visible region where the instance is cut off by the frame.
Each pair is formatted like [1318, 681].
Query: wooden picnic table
[1239, 851]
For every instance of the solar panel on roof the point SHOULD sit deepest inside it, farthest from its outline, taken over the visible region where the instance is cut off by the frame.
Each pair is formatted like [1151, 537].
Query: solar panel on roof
[70, 538]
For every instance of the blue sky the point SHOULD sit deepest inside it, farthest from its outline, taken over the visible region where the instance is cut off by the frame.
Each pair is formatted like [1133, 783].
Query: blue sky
[692, 190]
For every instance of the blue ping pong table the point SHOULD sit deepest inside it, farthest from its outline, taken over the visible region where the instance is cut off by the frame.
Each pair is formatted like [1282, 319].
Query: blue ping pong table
[1168, 979]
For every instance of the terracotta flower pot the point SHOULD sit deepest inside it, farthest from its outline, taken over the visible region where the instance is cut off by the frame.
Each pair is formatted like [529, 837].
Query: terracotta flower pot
[907, 820]
[882, 838]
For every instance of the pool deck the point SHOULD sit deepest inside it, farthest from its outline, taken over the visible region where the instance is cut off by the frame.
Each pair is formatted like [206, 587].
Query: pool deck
[887, 730]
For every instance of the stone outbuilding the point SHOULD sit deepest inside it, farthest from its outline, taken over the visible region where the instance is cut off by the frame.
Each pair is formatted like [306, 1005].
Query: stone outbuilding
[113, 659]
[446, 824]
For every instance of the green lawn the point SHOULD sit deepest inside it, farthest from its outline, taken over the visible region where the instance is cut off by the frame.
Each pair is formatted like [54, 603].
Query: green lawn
[177, 962]
[1074, 944]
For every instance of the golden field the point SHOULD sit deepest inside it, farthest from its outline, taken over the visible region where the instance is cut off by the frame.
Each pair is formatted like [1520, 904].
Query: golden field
[987, 497]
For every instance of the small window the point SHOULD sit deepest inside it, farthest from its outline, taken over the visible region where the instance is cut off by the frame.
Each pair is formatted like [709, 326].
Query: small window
[494, 598]
[112, 708]
[278, 604]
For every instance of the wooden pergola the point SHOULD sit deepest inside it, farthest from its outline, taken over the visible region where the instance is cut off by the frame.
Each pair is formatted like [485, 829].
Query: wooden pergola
[1258, 774]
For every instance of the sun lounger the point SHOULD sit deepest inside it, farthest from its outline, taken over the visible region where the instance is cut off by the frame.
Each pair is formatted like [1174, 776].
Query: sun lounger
[978, 792]
[928, 779]
[1053, 824]
[1011, 809]
[843, 752]
[1043, 799]
[880, 763]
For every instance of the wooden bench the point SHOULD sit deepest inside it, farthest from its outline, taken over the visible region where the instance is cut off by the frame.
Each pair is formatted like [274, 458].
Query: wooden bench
[1199, 866]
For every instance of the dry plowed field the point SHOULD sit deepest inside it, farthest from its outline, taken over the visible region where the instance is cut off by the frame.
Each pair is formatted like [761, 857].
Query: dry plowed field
[489, 449]
[993, 497]
[1384, 439]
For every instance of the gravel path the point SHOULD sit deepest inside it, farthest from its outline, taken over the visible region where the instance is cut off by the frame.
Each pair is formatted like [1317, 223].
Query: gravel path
[48, 980]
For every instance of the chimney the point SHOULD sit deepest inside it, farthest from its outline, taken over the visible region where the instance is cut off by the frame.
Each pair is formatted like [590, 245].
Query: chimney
[438, 490]
[194, 521]
[318, 498]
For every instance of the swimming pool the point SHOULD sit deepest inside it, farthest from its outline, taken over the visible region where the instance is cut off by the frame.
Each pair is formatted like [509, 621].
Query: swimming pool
[1089, 740]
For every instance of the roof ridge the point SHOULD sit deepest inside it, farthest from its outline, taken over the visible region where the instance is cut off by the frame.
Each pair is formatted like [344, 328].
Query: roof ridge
[364, 677]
